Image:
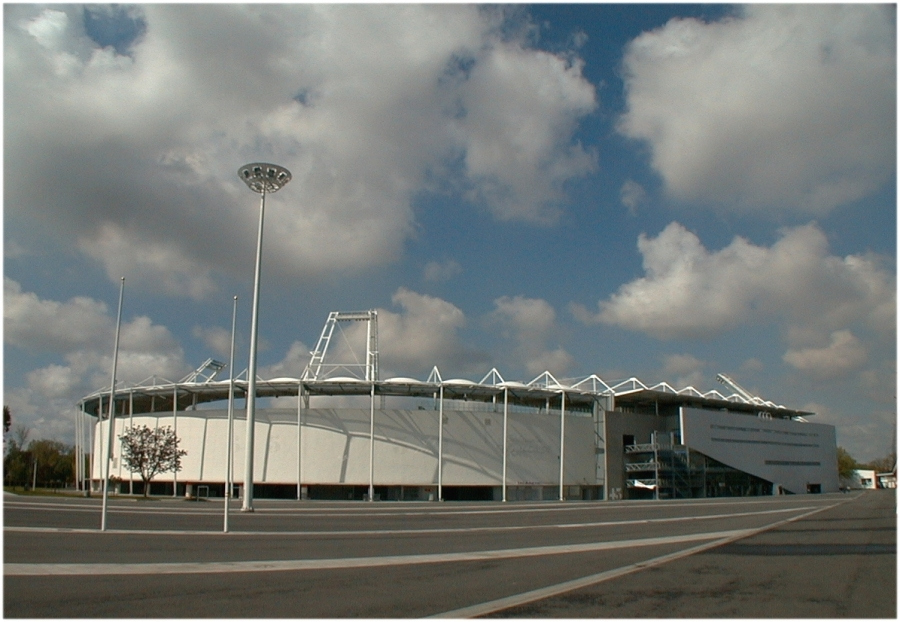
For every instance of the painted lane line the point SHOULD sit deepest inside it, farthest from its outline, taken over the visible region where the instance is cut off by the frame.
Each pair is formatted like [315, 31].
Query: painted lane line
[393, 532]
[567, 586]
[13, 569]
[391, 511]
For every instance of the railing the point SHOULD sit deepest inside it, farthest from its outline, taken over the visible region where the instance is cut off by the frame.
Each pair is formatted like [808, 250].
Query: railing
[632, 467]
[641, 448]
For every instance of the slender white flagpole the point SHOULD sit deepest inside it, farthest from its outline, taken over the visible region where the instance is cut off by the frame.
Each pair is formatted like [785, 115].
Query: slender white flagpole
[111, 420]
[228, 483]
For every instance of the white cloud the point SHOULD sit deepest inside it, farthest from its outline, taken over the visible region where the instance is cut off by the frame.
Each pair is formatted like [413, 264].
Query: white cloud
[424, 334]
[441, 271]
[862, 432]
[690, 292]
[80, 332]
[160, 261]
[50, 326]
[844, 354]
[780, 106]
[54, 381]
[215, 338]
[521, 107]
[684, 370]
[291, 366]
[531, 324]
[632, 195]
[368, 106]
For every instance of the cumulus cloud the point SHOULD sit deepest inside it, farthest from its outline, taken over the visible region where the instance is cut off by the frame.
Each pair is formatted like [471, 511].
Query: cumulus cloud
[51, 326]
[845, 353]
[531, 324]
[368, 106]
[291, 366]
[216, 338]
[425, 333]
[158, 261]
[514, 116]
[684, 370]
[80, 332]
[691, 292]
[777, 106]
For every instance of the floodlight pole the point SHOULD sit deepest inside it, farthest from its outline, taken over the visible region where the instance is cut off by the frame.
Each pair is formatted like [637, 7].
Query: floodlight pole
[261, 178]
[228, 474]
[112, 409]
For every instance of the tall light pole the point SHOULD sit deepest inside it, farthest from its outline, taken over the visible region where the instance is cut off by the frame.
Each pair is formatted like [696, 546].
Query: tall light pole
[263, 179]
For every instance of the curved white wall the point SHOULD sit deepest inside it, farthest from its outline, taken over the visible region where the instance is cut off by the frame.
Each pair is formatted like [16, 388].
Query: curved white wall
[335, 447]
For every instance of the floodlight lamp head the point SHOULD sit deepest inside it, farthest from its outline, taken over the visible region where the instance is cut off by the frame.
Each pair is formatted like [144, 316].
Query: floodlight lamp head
[262, 177]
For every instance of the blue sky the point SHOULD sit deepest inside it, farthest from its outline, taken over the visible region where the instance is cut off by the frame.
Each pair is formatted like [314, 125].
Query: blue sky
[659, 191]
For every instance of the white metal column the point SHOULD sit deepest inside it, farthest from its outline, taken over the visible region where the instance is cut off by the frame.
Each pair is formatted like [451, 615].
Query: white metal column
[562, 444]
[299, 441]
[372, 444]
[440, 490]
[78, 448]
[505, 428]
[175, 425]
[131, 427]
[94, 450]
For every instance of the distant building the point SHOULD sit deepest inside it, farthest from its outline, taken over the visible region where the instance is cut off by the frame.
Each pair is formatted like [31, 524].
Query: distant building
[862, 479]
[330, 436]
[887, 480]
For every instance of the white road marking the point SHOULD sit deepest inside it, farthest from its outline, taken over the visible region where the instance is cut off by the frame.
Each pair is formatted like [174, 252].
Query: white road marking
[567, 586]
[432, 530]
[390, 509]
[12, 569]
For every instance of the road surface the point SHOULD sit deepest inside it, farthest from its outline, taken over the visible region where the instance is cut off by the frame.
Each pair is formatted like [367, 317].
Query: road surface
[788, 556]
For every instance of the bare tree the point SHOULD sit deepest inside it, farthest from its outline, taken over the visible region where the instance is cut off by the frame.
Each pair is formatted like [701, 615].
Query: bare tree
[148, 451]
[20, 435]
[885, 464]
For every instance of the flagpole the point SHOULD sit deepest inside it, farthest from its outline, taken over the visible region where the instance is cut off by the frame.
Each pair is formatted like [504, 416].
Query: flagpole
[228, 475]
[112, 409]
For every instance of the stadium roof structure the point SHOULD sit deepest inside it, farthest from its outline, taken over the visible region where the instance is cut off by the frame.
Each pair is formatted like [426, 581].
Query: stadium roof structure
[158, 394]
[322, 378]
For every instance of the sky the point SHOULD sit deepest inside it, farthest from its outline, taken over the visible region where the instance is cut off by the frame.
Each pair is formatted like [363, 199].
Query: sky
[664, 192]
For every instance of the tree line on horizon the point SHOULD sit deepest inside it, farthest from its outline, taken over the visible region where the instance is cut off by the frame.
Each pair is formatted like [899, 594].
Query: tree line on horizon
[51, 464]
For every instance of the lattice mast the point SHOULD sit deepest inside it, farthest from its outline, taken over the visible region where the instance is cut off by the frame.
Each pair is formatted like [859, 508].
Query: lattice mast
[319, 369]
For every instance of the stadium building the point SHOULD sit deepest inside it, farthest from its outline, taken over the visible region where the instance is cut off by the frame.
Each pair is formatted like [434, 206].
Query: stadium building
[341, 432]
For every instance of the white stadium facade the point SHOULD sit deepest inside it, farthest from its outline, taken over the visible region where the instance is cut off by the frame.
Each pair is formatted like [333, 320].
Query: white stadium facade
[341, 432]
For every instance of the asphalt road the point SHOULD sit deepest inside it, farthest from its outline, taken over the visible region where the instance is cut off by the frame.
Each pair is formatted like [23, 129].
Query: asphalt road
[791, 556]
